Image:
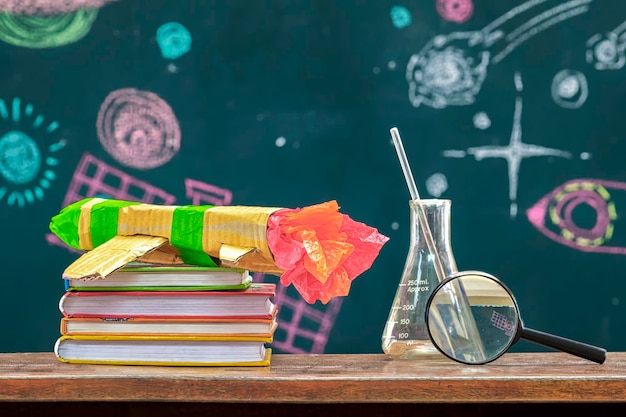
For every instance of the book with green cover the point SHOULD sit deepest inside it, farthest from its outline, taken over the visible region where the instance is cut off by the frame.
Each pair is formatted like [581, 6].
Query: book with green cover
[144, 277]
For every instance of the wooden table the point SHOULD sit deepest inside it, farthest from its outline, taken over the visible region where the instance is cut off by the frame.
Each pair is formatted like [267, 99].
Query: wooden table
[305, 385]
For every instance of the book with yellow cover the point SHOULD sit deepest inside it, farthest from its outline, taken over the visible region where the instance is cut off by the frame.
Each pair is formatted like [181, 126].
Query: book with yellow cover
[164, 350]
[137, 326]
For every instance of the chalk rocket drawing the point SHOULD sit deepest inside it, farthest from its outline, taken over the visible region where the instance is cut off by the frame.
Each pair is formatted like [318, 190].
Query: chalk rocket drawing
[514, 152]
[29, 143]
[450, 69]
[582, 214]
[606, 51]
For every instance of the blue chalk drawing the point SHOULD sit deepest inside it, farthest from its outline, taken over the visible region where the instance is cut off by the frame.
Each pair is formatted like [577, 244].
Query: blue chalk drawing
[174, 40]
[25, 171]
[400, 16]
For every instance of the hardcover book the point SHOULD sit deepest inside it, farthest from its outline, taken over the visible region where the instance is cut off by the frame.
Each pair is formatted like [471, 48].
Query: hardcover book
[164, 351]
[166, 278]
[82, 326]
[253, 302]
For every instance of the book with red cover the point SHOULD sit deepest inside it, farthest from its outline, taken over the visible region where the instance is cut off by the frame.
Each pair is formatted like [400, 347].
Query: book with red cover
[253, 302]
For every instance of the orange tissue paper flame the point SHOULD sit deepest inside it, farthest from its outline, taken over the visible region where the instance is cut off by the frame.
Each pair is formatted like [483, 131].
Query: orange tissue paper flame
[321, 250]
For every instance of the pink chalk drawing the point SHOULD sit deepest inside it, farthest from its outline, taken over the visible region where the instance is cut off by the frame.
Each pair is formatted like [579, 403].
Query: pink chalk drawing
[138, 128]
[49, 7]
[202, 193]
[553, 215]
[302, 327]
[457, 11]
[94, 178]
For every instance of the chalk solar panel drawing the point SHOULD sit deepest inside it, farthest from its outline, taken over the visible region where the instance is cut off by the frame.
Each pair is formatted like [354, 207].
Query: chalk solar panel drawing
[582, 214]
[303, 327]
[93, 177]
[451, 68]
[606, 51]
[514, 152]
[201, 193]
[29, 143]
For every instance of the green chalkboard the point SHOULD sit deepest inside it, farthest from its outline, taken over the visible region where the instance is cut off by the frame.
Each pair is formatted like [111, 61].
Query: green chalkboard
[512, 110]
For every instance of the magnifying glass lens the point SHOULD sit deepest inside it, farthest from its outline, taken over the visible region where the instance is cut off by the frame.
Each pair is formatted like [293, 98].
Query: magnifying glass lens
[472, 318]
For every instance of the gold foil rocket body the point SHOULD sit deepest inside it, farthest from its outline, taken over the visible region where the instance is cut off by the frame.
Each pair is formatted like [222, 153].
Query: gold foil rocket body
[146, 219]
[237, 235]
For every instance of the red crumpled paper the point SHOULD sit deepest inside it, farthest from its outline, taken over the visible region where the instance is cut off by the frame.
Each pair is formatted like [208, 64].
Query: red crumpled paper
[321, 250]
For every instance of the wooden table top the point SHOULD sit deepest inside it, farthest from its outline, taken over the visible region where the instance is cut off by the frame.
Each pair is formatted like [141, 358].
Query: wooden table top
[295, 378]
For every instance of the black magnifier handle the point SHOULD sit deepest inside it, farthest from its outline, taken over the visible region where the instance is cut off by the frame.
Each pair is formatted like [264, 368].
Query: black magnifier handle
[582, 350]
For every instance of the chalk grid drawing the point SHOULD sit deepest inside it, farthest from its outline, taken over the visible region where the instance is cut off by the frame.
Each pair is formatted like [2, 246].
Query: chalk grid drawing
[582, 214]
[450, 69]
[513, 153]
[29, 143]
[303, 328]
[606, 51]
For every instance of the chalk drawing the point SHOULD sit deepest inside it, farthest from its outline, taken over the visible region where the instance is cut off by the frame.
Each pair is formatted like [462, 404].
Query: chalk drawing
[202, 193]
[569, 89]
[303, 328]
[437, 184]
[450, 69]
[39, 31]
[29, 143]
[514, 152]
[400, 17]
[606, 51]
[49, 7]
[581, 214]
[458, 11]
[138, 128]
[173, 39]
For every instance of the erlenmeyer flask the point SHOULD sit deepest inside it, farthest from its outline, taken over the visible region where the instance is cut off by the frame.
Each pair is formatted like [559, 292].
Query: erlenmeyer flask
[405, 335]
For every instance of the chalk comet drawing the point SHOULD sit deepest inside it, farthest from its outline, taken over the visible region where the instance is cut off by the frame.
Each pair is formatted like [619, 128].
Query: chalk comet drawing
[606, 51]
[582, 214]
[29, 143]
[138, 128]
[513, 153]
[450, 69]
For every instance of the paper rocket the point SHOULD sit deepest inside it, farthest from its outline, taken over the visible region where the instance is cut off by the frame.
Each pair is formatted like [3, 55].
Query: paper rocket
[316, 248]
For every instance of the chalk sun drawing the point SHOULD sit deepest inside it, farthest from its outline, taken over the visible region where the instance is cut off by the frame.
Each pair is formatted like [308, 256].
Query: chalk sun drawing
[39, 32]
[173, 39]
[513, 153]
[49, 7]
[138, 128]
[450, 69]
[28, 146]
[606, 51]
[582, 214]
[458, 11]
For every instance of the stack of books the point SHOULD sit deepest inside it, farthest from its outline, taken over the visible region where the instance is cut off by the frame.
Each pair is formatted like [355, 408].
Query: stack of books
[168, 315]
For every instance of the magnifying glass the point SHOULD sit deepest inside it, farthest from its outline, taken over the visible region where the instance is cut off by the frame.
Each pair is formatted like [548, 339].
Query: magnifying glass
[495, 316]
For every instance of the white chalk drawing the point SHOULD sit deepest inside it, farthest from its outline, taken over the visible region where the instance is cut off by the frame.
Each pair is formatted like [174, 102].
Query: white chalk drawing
[481, 121]
[606, 51]
[569, 89]
[437, 184]
[514, 152]
[450, 69]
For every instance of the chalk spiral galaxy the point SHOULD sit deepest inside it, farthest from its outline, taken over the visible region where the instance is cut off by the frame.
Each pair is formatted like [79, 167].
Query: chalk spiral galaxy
[39, 31]
[138, 128]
